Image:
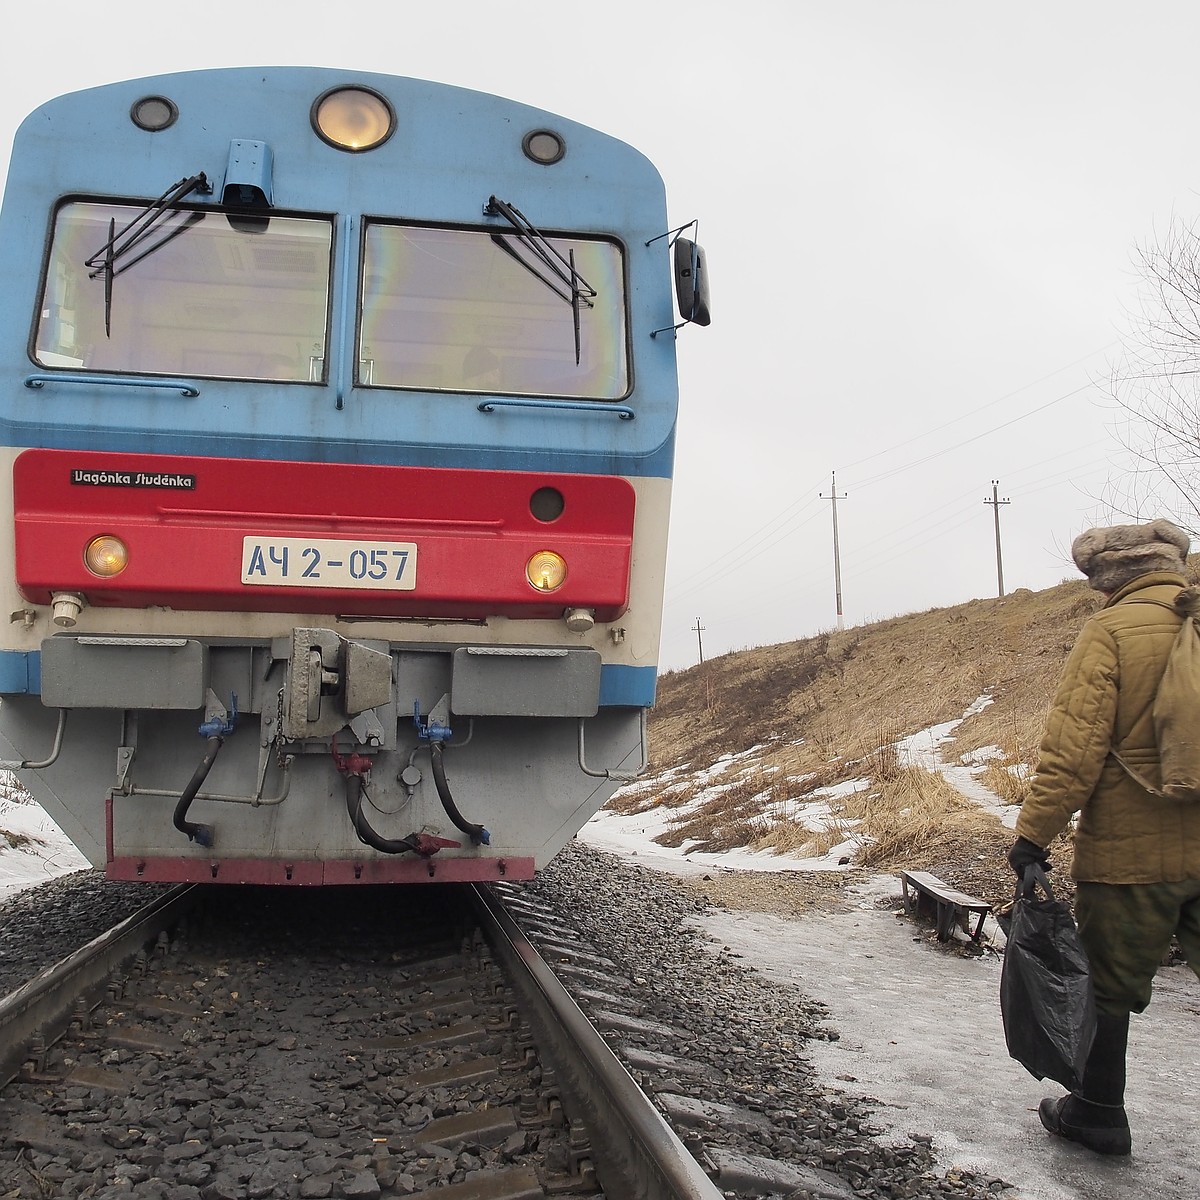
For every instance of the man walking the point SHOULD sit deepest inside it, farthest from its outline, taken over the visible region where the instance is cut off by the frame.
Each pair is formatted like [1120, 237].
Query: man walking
[1136, 854]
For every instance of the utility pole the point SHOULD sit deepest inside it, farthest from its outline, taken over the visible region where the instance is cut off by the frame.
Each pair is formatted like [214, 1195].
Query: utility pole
[698, 629]
[995, 502]
[837, 559]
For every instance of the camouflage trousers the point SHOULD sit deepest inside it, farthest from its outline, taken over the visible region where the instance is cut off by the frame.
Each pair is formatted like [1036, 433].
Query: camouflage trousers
[1126, 929]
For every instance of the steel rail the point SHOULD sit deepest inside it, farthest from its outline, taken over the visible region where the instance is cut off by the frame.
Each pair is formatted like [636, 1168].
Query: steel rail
[632, 1135]
[47, 1003]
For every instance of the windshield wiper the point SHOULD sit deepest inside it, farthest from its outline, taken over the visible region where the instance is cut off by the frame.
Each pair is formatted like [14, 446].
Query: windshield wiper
[548, 265]
[132, 234]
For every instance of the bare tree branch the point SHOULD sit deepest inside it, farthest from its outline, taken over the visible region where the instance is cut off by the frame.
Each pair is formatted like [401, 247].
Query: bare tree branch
[1156, 384]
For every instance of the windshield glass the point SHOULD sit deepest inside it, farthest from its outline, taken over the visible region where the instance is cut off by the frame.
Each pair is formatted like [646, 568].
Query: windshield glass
[203, 295]
[464, 310]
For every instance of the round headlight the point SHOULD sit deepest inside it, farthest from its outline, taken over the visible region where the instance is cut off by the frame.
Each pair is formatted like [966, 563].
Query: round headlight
[153, 113]
[543, 146]
[546, 571]
[106, 556]
[353, 118]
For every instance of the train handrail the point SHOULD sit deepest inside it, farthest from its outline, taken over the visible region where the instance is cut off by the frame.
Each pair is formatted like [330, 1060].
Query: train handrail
[166, 385]
[621, 410]
[258, 801]
[25, 764]
[615, 774]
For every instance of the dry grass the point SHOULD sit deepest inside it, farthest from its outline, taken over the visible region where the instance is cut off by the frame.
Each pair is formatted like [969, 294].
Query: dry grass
[916, 819]
[790, 837]
[734, 816]
[1008, 780]
[901, 816]
[830, 708]
[825, 703]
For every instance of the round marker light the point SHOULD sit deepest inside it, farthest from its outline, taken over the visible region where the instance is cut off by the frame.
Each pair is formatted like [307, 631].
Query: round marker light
[106, 556]
[547, 504]
[353, 118]
[546, 571]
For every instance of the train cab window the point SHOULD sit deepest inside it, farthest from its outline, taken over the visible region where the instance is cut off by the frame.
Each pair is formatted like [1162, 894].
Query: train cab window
[471, 311]
[201, 296]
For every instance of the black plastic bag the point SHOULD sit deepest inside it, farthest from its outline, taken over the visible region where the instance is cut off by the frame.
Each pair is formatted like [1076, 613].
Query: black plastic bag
[1046, 999]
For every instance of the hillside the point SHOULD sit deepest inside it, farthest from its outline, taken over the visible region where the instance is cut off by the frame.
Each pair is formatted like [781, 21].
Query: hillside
[829, 710]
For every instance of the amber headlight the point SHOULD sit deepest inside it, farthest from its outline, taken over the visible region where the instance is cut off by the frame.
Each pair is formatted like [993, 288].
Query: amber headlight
[546, 571]
[353, 118]
[106, 556]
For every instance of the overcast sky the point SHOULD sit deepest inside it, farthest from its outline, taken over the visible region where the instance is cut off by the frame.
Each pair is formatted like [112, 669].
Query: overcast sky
[920, 218]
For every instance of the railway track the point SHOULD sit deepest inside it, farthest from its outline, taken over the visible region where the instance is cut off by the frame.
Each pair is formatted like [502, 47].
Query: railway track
[243, 1043]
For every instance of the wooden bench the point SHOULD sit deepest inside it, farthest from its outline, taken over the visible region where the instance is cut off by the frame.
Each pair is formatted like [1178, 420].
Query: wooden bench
[950, 906]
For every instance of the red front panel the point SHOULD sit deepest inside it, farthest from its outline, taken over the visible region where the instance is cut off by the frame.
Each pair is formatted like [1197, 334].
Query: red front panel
[192, 525]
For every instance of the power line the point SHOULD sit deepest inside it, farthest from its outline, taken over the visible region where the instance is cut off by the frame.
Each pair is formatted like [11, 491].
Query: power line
[749, 548]
[746, 549]
[983, 407]
[786, 523]
[920, 462]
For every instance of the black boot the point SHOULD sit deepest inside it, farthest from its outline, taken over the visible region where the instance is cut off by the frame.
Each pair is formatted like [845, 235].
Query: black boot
[1095, 1115]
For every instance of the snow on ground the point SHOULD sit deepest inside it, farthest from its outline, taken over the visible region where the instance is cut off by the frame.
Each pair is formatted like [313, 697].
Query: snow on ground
[922, 749]
[42, 852]
[920, 1035]
[634, 834]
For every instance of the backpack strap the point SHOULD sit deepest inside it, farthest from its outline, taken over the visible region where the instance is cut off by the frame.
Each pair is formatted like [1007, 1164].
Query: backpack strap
[1183, 614]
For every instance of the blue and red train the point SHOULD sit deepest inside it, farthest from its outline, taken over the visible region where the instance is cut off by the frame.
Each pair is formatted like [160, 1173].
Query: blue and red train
[337, 432]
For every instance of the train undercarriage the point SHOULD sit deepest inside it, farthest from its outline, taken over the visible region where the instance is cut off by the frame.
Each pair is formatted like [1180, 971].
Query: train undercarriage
[319, 758]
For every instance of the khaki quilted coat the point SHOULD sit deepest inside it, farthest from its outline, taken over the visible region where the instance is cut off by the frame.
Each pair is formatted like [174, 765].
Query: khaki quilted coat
[1104, 698]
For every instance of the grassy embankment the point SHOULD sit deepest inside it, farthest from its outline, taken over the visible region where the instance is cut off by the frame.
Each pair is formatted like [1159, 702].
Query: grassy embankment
[830, 708]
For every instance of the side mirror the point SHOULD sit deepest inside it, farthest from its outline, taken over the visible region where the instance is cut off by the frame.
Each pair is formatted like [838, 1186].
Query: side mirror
[691, 282]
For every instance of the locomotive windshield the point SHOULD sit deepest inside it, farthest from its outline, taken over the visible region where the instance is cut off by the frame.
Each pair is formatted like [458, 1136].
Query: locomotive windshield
[226, 297]
[463, 310]
[214, 299]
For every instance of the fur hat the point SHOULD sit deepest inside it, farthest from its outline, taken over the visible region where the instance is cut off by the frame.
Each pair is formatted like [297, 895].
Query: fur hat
[1113, 557]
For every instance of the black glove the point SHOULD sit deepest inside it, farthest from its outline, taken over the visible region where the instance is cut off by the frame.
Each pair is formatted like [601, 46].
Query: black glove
[1023, 853]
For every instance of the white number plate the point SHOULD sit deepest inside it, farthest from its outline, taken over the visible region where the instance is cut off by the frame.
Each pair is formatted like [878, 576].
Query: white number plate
[329, 563]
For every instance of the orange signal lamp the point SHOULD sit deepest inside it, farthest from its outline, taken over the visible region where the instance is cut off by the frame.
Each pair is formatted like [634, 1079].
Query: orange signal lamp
[546, 571]
[106, 556]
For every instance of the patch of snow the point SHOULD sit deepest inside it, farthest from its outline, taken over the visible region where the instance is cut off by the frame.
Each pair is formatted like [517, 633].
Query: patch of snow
[633, 834]
[923, 749]
[984, 754]
[633, 837]
[45, 854]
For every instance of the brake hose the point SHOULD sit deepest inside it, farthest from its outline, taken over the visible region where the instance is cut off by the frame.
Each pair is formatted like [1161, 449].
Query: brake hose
[200, 834]
[477, 833]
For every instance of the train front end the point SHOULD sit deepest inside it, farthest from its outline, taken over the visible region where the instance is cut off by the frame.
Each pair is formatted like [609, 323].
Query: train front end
[337, 433]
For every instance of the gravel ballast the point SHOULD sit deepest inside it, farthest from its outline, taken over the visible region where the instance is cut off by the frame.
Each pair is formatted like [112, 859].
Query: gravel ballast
[722, 1048]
